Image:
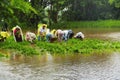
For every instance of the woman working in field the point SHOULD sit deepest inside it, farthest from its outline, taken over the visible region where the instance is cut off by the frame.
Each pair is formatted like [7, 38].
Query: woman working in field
[42, 32]
[50, 36]
[17, 33]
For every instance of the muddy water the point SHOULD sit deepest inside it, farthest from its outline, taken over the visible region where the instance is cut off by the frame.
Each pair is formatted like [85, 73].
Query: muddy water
[101, 33]
[104, 66]
[62, 67]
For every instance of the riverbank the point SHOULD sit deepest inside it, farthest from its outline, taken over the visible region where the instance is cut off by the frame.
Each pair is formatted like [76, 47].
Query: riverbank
[69, 47]
[89, 24]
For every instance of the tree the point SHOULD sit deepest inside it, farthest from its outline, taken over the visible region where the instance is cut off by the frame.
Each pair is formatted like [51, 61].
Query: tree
[54, 10]
[12, 11]
[88, 10]
[116, 8]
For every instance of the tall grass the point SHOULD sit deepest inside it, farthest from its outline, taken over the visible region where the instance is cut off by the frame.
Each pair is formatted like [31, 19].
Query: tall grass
[89, 24]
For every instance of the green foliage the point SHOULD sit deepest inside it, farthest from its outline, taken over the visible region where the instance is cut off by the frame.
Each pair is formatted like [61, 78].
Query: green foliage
[29, 14]
[69, 47]
[13, 12]
[89, 24]
[23, 47]
[77, 46]
[116, 3]
[54, 10]
[100, 24]
[23, 6]
[111, 1]
[88, 10]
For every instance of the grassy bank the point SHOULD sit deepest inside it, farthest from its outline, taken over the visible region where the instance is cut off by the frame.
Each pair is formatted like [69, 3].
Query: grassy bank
[71, 46]
[21, 47]
[82, 47]
[89, 24]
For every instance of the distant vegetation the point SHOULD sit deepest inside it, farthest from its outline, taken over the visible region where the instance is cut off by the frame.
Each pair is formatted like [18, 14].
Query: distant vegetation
[28, 13]
[88, 24]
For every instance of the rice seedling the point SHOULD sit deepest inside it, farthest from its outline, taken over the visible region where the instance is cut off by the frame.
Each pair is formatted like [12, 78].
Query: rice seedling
[70, 47]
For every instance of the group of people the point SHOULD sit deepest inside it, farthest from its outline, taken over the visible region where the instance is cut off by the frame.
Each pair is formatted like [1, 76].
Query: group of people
[43, 34]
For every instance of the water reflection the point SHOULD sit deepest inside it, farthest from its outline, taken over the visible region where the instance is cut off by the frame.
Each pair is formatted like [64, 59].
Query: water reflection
[101, 33]
[62, 67]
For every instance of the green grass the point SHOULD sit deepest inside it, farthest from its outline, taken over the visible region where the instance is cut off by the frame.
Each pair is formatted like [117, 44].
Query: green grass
[89, 24]
[70, 47]
[23, 47]
[77, 46]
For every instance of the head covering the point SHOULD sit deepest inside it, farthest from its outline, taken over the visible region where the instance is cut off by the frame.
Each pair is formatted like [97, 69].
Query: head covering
[4, 34]
[45, 25]
[15, 27]
[41, 25]
[53, 31]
